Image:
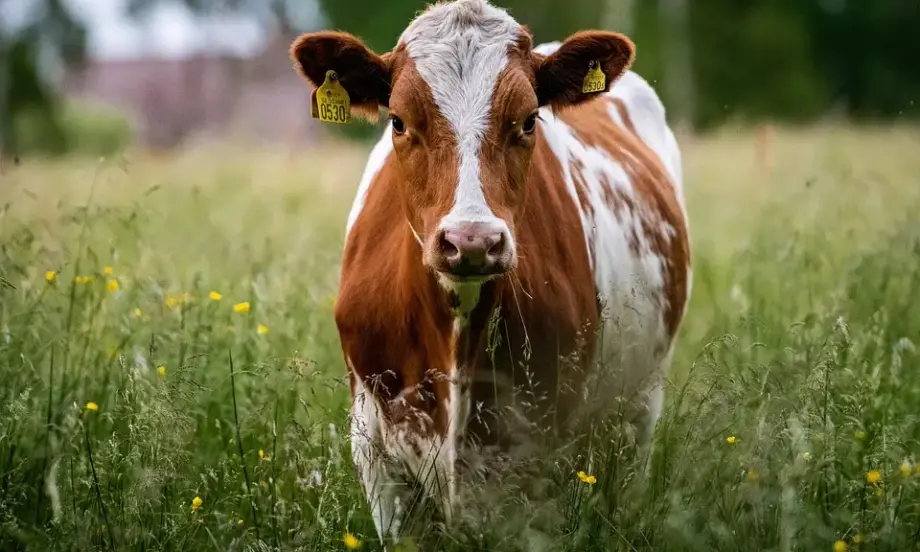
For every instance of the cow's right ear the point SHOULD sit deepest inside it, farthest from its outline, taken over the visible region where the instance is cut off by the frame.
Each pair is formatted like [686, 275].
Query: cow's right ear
[363, 74]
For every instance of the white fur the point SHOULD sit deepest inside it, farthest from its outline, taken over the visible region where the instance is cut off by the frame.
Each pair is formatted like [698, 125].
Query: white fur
[460, 49]
[381, 489]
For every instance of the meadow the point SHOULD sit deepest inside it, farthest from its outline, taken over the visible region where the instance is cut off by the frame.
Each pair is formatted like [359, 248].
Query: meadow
[172, 378]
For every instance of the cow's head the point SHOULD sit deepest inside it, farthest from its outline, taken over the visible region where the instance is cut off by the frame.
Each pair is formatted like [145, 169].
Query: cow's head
[463, 87]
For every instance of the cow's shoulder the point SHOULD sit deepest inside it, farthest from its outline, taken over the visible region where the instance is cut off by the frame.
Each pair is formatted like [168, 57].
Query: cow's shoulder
[648, 119]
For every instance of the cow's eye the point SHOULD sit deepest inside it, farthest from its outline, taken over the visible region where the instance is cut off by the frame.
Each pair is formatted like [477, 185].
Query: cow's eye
[399, 127]
[530, 124]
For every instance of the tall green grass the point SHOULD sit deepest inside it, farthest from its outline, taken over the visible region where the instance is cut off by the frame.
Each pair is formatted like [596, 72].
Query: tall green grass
[791, 420]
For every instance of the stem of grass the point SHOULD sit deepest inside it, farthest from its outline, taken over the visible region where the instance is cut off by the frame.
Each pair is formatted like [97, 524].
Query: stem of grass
[239, 445]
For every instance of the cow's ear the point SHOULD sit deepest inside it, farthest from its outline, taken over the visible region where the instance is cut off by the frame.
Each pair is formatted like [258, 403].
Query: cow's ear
[363, 74]
[561, 75]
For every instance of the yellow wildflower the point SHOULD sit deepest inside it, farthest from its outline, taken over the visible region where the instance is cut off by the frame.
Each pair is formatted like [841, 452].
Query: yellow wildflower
[161, 370]
[171, 302]
[860, 435]
[215, 296]
[806, 456]
[239, 522]
[107, 271]
[840, 546]
[91, 406]
[261, 454]
[241, 307]
[112, 285]
[196, 503]
[905, 468]
[83, 279]
[585, 478]
[138, 312]
[351, 541]
[873, 477]
[731, 439]
[50, 276]
[262, 329]
[857, 538]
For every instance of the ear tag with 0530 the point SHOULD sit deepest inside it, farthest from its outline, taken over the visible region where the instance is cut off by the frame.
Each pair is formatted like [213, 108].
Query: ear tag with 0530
[330, 102]
[595, 80]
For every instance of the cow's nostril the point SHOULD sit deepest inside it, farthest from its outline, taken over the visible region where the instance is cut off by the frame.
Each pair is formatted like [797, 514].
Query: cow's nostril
[447, 247]
[498, 245]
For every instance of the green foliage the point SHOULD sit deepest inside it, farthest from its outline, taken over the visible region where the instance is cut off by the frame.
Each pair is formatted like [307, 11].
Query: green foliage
[799, 343]
[75, 128]
[52, 34]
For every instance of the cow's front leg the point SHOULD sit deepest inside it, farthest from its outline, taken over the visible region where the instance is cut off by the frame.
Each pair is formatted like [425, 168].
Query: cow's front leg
[384, 490]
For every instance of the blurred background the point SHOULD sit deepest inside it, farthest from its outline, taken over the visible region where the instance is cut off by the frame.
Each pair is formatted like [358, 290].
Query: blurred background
[99, 76]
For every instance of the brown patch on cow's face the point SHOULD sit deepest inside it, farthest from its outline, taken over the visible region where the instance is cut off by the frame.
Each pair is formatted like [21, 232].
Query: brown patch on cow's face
[426, 150]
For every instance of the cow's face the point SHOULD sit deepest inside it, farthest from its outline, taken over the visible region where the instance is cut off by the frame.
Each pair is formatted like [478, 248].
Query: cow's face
[463, 88]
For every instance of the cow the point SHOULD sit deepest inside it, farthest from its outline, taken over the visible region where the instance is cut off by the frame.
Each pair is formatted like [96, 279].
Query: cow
[510, 229]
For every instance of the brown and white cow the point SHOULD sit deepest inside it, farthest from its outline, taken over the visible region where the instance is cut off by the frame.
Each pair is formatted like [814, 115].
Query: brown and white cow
[505, 221]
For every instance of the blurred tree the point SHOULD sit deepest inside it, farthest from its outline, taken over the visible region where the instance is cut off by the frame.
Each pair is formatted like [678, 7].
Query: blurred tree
[48, 34]
[868, 54]
[753, 59]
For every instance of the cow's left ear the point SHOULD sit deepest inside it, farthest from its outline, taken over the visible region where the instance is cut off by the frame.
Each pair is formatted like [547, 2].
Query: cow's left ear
[363, 74]
[561, 75]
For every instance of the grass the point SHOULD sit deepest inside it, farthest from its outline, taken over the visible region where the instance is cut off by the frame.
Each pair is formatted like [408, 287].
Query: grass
[791, 420]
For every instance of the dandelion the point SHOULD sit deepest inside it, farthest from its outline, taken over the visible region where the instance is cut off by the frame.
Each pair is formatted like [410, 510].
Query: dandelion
[107, 271]
[585, 478]
[91, 406]
[196, 503]
[215, 296]
[351, 541]
[262, 455]
[840, 546]
[806, 456]
[241, 307]
[112, 285]
[731, 439]
[873, 477]
[50, 276]
[161, 371]
[262, 329]
[138, 312]
[905, 468]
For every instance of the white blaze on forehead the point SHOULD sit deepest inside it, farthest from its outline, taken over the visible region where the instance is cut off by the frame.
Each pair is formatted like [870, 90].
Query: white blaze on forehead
[460, 49]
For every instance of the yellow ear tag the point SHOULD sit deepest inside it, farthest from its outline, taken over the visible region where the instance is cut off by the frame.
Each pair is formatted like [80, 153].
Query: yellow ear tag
[330, 102]
[595, 80]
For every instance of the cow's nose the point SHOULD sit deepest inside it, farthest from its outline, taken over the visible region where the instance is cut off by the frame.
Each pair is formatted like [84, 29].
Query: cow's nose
[474, 249]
